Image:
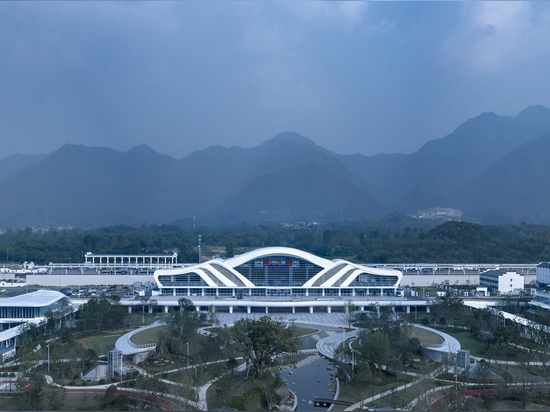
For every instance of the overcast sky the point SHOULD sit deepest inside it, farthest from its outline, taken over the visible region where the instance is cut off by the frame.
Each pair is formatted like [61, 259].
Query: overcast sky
[355, 77]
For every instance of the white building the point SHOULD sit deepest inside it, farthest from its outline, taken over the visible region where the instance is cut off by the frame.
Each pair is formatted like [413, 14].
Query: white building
[501, 281]
[18, 310]
[130, 261]
[277, 272]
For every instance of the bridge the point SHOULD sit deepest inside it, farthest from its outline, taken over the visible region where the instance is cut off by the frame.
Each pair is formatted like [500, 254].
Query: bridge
[325, 402]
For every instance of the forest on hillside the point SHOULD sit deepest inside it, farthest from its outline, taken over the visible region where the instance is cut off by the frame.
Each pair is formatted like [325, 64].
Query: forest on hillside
[395, 240]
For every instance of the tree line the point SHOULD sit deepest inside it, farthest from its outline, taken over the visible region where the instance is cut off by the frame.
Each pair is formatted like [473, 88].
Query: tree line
[396, 240]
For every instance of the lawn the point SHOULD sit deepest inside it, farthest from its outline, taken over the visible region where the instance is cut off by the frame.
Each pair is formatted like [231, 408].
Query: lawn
[404, 397]
[150, 335]
[101, 344]
[239, 384]
[356, 394]
[300, 331]
[480, 349]
[425, 336]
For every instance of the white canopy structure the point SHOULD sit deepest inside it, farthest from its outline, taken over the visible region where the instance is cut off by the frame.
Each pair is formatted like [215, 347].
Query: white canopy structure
[277, 272]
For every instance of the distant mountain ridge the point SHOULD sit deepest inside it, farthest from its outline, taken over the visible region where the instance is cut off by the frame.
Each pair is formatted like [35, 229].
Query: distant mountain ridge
[493, 168]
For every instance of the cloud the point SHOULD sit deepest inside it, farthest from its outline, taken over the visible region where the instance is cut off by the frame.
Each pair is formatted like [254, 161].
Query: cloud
[347, 14]
[498, 34]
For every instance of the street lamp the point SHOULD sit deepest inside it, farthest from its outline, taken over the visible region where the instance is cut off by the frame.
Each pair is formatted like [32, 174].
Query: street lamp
[187, 355]
[48, 358]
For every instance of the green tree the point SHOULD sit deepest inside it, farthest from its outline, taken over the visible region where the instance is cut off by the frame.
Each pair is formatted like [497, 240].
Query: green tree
[186, 320]
[109, 397]
[223, 386]
[213, 317]
[394, 366]
[362, 374]
[99, 314]
[376, 348]
[230, 245]
[260, 341]
[350, 312]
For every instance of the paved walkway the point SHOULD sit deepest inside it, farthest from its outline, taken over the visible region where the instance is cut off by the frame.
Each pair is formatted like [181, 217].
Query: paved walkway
[392, 391]
[327, 346]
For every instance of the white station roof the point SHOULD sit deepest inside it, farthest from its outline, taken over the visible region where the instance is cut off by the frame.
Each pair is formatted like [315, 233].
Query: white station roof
[36, 299]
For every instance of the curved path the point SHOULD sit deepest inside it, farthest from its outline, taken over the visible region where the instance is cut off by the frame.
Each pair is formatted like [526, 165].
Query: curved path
[127, 347]
[327, 346]
[449, 345]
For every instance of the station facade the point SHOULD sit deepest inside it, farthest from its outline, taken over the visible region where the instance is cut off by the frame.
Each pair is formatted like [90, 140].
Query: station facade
[277, 272]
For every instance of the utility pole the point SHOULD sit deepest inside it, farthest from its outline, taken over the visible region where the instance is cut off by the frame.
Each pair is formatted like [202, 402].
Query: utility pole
[200, 254]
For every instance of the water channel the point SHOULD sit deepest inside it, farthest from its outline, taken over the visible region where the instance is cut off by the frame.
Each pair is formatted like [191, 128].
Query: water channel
[311, 377]
[309, 380]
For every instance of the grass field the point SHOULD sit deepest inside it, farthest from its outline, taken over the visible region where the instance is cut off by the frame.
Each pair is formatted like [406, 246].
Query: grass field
[150, 335]
[356, 394]
[300, 331]
[101, 344]
[425, 336]
[480, 349]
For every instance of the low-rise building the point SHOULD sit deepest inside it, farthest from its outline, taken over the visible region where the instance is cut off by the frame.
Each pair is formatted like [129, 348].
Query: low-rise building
[501, 282]
[18, 310]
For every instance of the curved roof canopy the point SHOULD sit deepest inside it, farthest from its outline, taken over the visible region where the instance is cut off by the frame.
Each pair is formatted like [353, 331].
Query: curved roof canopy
[277, 267]
[38, 299]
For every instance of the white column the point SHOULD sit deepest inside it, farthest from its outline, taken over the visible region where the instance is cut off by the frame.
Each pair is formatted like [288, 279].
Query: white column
[248, 309]
[328, 309]
[230, 309]
[311, 309]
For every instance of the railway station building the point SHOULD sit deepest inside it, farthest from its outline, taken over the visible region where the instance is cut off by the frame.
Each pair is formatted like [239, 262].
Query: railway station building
[277, 277]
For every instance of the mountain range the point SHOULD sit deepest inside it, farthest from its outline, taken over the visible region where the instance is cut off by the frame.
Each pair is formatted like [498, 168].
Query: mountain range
[493, 168]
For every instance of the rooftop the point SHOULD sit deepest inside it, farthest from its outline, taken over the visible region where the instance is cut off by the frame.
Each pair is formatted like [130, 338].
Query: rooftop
[34, 299]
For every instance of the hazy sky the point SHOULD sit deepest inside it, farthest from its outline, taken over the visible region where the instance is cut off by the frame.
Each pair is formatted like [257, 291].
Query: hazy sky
[355, 77]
